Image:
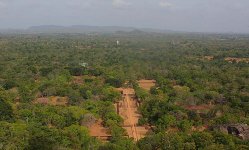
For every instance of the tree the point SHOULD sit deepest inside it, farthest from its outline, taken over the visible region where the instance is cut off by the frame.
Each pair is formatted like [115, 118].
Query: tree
[6, 112]
[125, 143]
[163, 141]
[74, 96]
[78, 137]
[45, 71]
[116, 131]
[192, 115]
[245, 107]
[13, 136]
[26, 94]
[75, 71]
[185, 125]
[111, 146]
[202, 139]
[141, 93]
[167, 121]
[182, 92]
[224, 139]
[42, 137]
[116, 82]
[215, 147]
[9, 84]
[110, 94]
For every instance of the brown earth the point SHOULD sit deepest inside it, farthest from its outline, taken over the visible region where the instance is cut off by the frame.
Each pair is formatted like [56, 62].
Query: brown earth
[53, 100]
[228, 59]
[202, 58]
[81, 79]
[199, 129]
[237, 60]
[209, 58]
[77, 80]
[99, 131]
[198, 107]
[56, 100]
[146, 84]
[128, 110]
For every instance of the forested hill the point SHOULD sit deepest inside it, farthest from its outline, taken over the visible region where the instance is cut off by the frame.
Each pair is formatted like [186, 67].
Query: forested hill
[80, 29]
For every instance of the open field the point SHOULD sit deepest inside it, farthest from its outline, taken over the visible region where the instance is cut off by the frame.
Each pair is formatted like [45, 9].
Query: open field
[146, 84]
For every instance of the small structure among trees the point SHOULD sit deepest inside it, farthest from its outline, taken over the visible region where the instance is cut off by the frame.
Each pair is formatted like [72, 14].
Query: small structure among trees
[84, 64]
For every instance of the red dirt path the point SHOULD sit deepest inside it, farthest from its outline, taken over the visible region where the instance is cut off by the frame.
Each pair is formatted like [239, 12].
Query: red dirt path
[128, 110]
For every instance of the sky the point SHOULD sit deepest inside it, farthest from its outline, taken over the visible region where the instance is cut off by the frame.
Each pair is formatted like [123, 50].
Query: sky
[179, 15]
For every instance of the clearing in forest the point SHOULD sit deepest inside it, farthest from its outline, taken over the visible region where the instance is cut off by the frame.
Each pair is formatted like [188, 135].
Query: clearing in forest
[237, 60]
[81, 79]
[53, 100]
[209, 58]
[99, 131]
[198, 107]
[146, 84]
[78, 80]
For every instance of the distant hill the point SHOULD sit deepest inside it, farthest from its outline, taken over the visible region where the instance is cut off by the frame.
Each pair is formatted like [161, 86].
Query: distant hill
[77, 29]
[83, 29]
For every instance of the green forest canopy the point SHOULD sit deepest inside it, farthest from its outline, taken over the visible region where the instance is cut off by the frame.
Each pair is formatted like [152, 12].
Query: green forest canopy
[33, 66]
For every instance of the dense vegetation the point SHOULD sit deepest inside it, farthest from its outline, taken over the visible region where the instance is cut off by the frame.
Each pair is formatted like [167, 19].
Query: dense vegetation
[34, 66]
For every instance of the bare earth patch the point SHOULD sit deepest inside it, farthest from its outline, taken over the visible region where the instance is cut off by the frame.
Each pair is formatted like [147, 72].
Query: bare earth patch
[146, 84]
[77, 80]
[237, 60]
[209, 58]
[53, 100]
[99, 131]
[128, 110]
[200, 128]
[199, 108]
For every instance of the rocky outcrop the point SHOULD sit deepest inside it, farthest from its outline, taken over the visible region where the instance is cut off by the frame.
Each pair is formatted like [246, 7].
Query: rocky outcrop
[239, 130]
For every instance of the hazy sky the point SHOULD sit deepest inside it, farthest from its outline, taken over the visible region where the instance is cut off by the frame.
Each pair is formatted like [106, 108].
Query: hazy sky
[184, 15]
